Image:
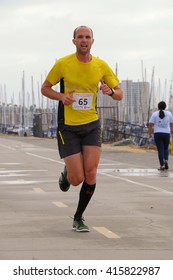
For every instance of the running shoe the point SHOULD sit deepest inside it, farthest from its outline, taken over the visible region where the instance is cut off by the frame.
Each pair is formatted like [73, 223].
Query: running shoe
[166, 165]
[78, 225]
[162, 168]
[63, 182]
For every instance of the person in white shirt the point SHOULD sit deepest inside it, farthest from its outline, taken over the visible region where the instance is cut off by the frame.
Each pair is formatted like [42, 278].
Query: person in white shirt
[161, 122]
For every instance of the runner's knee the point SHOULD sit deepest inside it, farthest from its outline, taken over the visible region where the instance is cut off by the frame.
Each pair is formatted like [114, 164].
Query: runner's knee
[90, 176]
[75, 179]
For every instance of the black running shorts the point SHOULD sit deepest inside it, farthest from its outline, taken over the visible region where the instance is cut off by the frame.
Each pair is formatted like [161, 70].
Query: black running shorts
[72, 138]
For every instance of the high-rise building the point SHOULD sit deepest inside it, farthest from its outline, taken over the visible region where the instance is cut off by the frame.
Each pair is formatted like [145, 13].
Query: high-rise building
[134, 107]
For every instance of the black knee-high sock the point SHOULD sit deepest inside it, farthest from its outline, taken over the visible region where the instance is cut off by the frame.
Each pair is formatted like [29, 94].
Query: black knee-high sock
[85, 195]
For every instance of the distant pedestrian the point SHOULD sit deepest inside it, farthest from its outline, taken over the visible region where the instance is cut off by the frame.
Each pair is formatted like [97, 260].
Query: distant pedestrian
[162, 123]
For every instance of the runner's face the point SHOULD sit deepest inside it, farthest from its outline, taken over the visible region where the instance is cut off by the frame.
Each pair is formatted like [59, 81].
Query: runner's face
[83, 40]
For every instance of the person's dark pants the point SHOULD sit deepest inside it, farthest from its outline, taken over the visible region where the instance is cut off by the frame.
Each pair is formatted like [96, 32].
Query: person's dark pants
[162, 141]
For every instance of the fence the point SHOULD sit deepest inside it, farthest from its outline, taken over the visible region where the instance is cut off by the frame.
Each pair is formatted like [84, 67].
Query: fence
[44, 125]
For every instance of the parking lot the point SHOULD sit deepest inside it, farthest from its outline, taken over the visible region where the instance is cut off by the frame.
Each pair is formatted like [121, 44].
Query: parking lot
[130, 214]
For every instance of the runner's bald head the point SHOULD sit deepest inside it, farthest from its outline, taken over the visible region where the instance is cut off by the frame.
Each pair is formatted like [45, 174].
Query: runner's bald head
[82, 26]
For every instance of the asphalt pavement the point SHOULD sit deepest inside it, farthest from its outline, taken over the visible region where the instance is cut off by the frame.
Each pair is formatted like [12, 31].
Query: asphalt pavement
[130, 215]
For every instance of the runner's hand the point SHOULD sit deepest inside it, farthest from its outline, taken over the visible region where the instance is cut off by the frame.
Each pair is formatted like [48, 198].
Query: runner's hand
[104, 88]
[67, 99]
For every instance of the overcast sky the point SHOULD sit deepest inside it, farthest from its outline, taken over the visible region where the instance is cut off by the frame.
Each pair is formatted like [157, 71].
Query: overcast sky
[33, 33]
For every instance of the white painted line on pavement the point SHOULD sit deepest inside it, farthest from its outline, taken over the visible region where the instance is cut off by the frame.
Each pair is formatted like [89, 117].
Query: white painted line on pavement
[135, 183]
[50, 159]
[11, 163]
[8, 147]
[25, 182]
[59, 204]
[18, 182]
[13, 175]
[106, 232]
[38, 190]
[22, 170]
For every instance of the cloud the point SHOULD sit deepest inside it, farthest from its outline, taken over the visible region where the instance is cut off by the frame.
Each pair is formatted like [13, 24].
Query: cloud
[35, 33]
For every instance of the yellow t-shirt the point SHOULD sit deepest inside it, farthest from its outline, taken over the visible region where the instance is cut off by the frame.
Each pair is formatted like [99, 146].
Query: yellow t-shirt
[84, 78]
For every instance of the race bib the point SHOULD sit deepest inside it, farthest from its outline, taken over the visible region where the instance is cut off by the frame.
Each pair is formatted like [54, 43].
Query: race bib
[83, 101]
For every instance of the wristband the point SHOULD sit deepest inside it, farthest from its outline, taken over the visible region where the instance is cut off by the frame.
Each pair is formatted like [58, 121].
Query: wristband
[113, 91]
